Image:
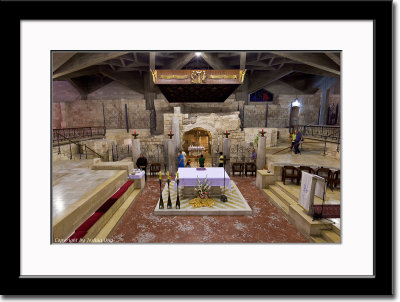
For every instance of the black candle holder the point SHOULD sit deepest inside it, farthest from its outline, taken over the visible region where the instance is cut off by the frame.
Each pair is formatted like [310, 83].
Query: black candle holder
[178, 203]
[262, 132]
[135, 135]
[161, 204]
[169, 203]
[170, 135]
[227, 134]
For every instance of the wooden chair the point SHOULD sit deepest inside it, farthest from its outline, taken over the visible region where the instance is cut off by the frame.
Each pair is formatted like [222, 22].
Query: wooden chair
[306, 169]
[250, 168]
[325, 173]
[154, 169]
[335, 179]
[290, 172]
[237, 167]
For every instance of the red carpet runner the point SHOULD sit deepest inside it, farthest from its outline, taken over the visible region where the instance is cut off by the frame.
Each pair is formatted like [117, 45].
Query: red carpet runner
[84, 227]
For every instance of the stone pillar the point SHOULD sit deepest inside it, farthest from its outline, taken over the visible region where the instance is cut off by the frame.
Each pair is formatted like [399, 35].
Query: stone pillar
[227, 152]
[172, 157]
[135, 151]
[175, 130]
[261, 152]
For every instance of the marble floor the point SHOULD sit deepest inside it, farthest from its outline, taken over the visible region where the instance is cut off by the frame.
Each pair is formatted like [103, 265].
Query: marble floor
[265, 225]
[311, 155]
[72, 179]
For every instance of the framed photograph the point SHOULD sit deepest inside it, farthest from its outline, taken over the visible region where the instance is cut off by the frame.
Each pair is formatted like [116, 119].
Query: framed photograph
[104, 101]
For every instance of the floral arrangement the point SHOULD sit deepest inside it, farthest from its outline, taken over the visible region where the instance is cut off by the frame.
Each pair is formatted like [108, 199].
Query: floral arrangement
[203, 189]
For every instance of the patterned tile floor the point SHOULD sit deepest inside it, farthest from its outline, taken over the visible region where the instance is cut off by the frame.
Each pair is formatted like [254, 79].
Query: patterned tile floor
[266, 225]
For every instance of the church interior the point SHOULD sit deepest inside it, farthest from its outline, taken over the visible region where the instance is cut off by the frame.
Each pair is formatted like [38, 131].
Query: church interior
[196, 147]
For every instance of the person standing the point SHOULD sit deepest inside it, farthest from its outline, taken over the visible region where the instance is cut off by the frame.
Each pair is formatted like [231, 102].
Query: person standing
[254, 156]
[221, 160]
[184, 156]
[181, 162]
[141, 164]
[299, 137]
[201, 161]
[293, 136]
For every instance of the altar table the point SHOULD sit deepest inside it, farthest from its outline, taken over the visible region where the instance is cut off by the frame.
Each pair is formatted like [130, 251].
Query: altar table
[215, 176]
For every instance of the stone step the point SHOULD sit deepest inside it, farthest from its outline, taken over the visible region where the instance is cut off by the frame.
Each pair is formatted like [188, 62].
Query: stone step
[286, 189]
[336, 229]
[277, 202]
[330, 236]
[282, 195]
[318, 239]
[65, 224]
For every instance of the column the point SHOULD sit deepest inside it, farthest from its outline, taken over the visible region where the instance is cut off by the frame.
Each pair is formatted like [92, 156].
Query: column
[261, 152]
[227, 152]
[172, 157]
[135, 151]
[176, 129]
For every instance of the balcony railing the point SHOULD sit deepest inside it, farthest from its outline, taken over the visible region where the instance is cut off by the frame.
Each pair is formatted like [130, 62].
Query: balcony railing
[64, 134]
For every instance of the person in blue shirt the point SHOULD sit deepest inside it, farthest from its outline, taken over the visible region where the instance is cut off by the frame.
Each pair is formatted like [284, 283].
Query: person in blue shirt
[299, 137]
[181, 161]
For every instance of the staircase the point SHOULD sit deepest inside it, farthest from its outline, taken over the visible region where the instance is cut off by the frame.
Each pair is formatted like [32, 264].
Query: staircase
[285, 197]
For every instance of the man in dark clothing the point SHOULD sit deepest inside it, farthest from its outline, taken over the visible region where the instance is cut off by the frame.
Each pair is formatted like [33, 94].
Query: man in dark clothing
[141, 163]
[299, 137]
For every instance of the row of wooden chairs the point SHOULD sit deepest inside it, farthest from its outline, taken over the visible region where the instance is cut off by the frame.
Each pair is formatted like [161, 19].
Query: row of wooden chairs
[244, 168]
[294, 174]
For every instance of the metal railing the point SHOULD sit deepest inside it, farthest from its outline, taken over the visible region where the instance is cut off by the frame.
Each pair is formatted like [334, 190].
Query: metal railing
[64, 134]
[80, 147]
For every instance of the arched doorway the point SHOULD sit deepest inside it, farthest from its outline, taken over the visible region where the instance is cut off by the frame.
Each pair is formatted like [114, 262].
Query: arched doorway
[197, 142]
[294, 116]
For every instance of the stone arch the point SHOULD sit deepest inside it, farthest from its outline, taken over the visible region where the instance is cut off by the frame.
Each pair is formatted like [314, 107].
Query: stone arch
[188, 134]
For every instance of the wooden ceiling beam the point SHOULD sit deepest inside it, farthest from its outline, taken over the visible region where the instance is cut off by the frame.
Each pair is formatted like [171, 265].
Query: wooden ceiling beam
[317, 60]
[83, 60]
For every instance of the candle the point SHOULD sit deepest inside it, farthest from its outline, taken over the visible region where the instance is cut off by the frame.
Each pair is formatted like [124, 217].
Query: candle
[262, 130]
[159, 175]
[177, 175]
[226, 131]
[135, 131]
[170, 131]
[168, 175]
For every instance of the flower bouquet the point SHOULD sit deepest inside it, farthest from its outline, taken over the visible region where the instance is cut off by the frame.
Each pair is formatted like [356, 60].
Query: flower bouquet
[203, 189]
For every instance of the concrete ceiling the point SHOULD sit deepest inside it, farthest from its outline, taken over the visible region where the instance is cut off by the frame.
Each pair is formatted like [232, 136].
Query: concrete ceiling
[89, 71]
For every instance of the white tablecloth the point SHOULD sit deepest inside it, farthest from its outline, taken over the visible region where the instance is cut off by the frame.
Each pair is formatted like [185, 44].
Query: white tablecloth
[215, 176]
[137, 175]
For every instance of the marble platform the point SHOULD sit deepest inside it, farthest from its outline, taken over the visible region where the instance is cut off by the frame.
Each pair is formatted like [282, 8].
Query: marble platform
[236, 204]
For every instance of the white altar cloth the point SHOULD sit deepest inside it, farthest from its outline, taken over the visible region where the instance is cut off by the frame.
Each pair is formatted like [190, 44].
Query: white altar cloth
[215, 176]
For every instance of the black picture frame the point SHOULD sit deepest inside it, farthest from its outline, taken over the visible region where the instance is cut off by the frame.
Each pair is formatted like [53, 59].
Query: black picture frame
[380, 11]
